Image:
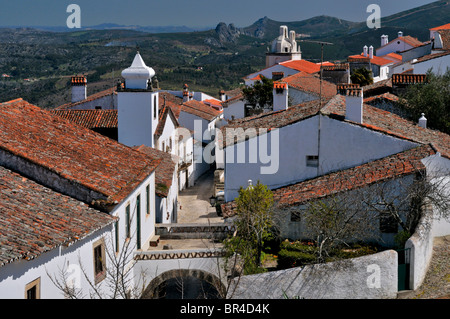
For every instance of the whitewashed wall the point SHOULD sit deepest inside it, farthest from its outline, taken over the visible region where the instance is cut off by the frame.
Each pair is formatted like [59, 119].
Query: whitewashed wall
[342, 145]
[439, 65]
[136, 123]
[15, 276]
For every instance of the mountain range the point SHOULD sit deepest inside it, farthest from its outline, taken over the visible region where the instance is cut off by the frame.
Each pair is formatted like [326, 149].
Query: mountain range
[209, 60]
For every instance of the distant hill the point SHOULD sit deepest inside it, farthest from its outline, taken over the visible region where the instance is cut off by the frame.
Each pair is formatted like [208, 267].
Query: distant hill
[420, 18]
[40, 62]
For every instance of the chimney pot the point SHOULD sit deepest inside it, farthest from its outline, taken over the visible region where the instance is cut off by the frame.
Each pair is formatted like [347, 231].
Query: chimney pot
[400, 34]
[423, 121]
[365, 50]
[353, 104]
[371, 52]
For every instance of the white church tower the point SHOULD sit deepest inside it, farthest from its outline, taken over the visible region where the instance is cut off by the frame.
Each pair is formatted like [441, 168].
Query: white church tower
[137, 105]
[284, 48]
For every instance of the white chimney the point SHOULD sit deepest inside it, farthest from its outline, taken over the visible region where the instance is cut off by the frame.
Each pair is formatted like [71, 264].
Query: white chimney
[185, 93]
[353, 104]
[423, 121]
[371, 52]
[222, 95]
[79, 88]
[365, 50]
[400, 34]
[280, 96]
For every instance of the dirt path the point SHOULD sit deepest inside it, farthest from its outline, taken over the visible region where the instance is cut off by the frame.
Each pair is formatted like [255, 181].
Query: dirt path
[437, 281]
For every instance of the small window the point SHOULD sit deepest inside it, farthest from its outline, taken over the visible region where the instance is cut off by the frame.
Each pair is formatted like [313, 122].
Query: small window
[99, 261]
[33, 289]
[312, 161]
[116, 228]
[98, 107]
[127, 221]
[295, 216]
[154, 107]
[138, 221]
[147, 197]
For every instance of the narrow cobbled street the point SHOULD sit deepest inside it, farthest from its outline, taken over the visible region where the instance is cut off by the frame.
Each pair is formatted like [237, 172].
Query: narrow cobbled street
[193, 202]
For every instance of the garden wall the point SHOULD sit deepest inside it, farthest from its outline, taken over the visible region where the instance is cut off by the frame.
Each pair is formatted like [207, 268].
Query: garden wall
[368, 277]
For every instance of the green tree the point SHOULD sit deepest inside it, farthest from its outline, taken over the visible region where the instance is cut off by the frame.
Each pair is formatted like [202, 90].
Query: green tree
[362, 77]
[260, 95]
[431, 98]
[254, 224]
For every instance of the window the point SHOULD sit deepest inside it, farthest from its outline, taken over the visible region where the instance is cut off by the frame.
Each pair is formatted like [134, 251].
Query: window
[295, 216]
[147, 199]
[116, 228]
[33, 289]
[138, 221]
[312, 161]
[127, 221]
[154, 107]
[99, 261]
[388, 224]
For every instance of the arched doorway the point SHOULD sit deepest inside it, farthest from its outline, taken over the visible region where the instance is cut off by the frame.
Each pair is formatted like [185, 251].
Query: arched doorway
[185, 284]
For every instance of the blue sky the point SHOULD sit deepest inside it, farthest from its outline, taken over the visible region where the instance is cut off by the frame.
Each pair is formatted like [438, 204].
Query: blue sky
[192, 13]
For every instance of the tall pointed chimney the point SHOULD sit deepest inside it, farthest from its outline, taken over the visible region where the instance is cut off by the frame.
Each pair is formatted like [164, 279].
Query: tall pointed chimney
[371, 52]
[365, 50]
[423, 121]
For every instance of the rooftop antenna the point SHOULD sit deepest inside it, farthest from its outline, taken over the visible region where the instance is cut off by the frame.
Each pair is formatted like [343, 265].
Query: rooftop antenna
[322, 43]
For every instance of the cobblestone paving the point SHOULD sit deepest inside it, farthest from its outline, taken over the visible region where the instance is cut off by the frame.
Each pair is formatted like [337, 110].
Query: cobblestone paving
[437, 281]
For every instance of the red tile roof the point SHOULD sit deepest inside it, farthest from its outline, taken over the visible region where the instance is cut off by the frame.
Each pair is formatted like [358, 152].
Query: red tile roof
[414, 42]
[164, 172]
[442, 27]
[200, 109]
[35, 219]
[73, 152]
[302, 65]
[375, 60]
[310, 84]
[90, 118]
[394, 166]
[385, 96]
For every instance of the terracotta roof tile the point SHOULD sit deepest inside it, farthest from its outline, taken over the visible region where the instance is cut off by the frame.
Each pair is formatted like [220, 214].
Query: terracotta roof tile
[35, 219]
[73, 152]
[200, 109]
[302, 65]
[442, 27]
[375, 60]
[394, 166]
[90, 118]
[164, 171]
[311, 84]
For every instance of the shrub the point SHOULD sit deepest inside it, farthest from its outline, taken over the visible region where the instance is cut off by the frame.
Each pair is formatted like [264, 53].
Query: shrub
[291, 258]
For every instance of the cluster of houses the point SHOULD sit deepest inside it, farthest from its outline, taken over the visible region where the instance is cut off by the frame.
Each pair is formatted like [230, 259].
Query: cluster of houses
[101, 171]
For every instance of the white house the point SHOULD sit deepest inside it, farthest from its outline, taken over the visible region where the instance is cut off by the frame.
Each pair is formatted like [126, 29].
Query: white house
[305, 141]
[378, 65]
[80, 194]
[400, 44]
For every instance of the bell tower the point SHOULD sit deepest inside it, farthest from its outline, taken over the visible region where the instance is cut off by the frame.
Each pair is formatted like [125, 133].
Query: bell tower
[137, 105]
